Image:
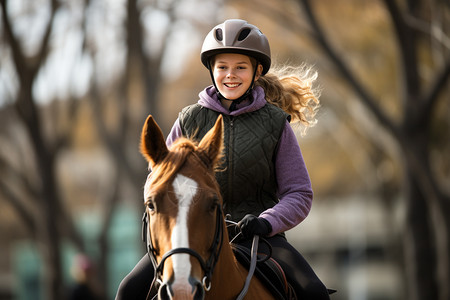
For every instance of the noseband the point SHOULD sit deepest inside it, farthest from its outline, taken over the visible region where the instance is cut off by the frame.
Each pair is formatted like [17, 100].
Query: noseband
[207, 266]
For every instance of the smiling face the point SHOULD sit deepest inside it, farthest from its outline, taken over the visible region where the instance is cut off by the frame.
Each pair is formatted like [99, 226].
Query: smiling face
[233, 74]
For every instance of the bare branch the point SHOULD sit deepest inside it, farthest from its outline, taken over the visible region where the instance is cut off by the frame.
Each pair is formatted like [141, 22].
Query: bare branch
[17, 53]
[43, 51]
[21, 209]
[112, 142]
[435, 32]
[406, 36]
[14, 174]
[366, 98]
[431, 97]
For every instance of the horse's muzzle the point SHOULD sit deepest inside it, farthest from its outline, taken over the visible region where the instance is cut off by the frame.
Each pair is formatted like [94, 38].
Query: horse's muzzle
[193, 291]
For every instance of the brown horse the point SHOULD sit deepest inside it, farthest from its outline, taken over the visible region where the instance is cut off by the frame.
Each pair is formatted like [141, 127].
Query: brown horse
[186, 234]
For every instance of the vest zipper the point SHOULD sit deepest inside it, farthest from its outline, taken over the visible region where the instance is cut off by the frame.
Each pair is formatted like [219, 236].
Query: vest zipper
[230, 161]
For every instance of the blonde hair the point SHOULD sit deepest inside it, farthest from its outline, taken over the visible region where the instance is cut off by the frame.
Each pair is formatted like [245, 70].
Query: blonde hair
[291, 89]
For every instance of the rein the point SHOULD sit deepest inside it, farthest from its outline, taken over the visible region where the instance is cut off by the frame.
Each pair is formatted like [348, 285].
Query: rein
[252, 268]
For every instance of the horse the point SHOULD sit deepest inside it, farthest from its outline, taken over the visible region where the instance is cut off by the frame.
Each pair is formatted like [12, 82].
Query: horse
[185, 232]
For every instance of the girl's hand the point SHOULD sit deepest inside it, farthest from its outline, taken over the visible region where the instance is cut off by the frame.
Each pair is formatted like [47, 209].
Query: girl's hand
[251, 225]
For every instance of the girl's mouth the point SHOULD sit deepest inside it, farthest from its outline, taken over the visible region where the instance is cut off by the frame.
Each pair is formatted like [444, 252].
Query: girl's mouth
[232, 85]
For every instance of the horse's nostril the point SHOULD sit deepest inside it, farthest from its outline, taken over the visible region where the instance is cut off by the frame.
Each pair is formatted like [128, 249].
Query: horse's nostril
[164, 292]
[199, 292]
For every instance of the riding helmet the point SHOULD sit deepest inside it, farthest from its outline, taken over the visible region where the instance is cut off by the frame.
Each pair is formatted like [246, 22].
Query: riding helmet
[237, 36]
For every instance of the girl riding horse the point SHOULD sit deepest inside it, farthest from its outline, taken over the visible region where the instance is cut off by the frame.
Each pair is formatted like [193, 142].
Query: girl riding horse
[263, 179]
[184, 226]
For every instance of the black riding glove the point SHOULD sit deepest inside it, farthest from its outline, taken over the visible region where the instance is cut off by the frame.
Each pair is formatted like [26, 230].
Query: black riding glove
[251, 225]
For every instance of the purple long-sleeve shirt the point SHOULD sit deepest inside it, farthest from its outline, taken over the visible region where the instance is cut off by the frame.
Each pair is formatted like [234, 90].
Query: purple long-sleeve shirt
[294, 185]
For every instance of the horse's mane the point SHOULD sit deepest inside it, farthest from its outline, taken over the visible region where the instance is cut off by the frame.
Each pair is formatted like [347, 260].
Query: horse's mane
[172, 163]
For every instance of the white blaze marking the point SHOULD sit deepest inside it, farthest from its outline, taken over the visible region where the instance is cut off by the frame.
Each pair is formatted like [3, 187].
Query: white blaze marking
[185, 190]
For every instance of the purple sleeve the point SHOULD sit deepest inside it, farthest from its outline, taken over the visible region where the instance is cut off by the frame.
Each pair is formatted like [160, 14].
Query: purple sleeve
[294, 185]
[174, 134]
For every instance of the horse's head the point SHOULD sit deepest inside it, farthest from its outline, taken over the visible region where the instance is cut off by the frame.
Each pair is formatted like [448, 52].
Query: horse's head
[183, 210]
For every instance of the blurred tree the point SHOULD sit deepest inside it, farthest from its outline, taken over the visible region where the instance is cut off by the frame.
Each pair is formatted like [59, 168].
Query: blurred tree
[120, 109]
[120, 47]
[130, 98]
[427, 231]
[49, 215]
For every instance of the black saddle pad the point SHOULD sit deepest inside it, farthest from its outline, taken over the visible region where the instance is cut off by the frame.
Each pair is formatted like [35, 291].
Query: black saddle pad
[268, 271]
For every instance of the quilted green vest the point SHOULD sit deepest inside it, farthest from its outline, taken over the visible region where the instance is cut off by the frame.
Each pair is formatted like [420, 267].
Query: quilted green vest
[247, 178]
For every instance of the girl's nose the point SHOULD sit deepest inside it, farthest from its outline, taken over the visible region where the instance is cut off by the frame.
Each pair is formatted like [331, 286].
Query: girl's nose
[230, 73]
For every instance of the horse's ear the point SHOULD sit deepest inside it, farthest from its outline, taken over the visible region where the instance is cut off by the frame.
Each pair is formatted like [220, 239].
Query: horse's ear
[153, 146]
[211, 145]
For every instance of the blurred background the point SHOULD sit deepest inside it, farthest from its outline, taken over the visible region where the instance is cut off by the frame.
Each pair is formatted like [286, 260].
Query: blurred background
[79, 77]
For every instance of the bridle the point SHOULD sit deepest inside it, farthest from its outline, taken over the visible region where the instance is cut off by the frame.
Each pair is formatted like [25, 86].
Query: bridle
[207, 266]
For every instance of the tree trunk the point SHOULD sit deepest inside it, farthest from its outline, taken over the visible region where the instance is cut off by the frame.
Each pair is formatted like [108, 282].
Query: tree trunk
[426, 240]
[49, 196]
[419, 254]
[52, 237]
[442, 233]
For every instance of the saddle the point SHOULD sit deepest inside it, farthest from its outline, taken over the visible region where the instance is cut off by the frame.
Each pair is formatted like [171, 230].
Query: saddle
[268, 271]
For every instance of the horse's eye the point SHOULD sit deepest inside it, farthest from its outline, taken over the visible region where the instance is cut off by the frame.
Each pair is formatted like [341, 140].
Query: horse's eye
[214, 204]
[150, 204]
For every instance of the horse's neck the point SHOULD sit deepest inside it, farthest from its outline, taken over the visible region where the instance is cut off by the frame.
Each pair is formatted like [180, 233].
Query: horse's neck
[228, 276]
